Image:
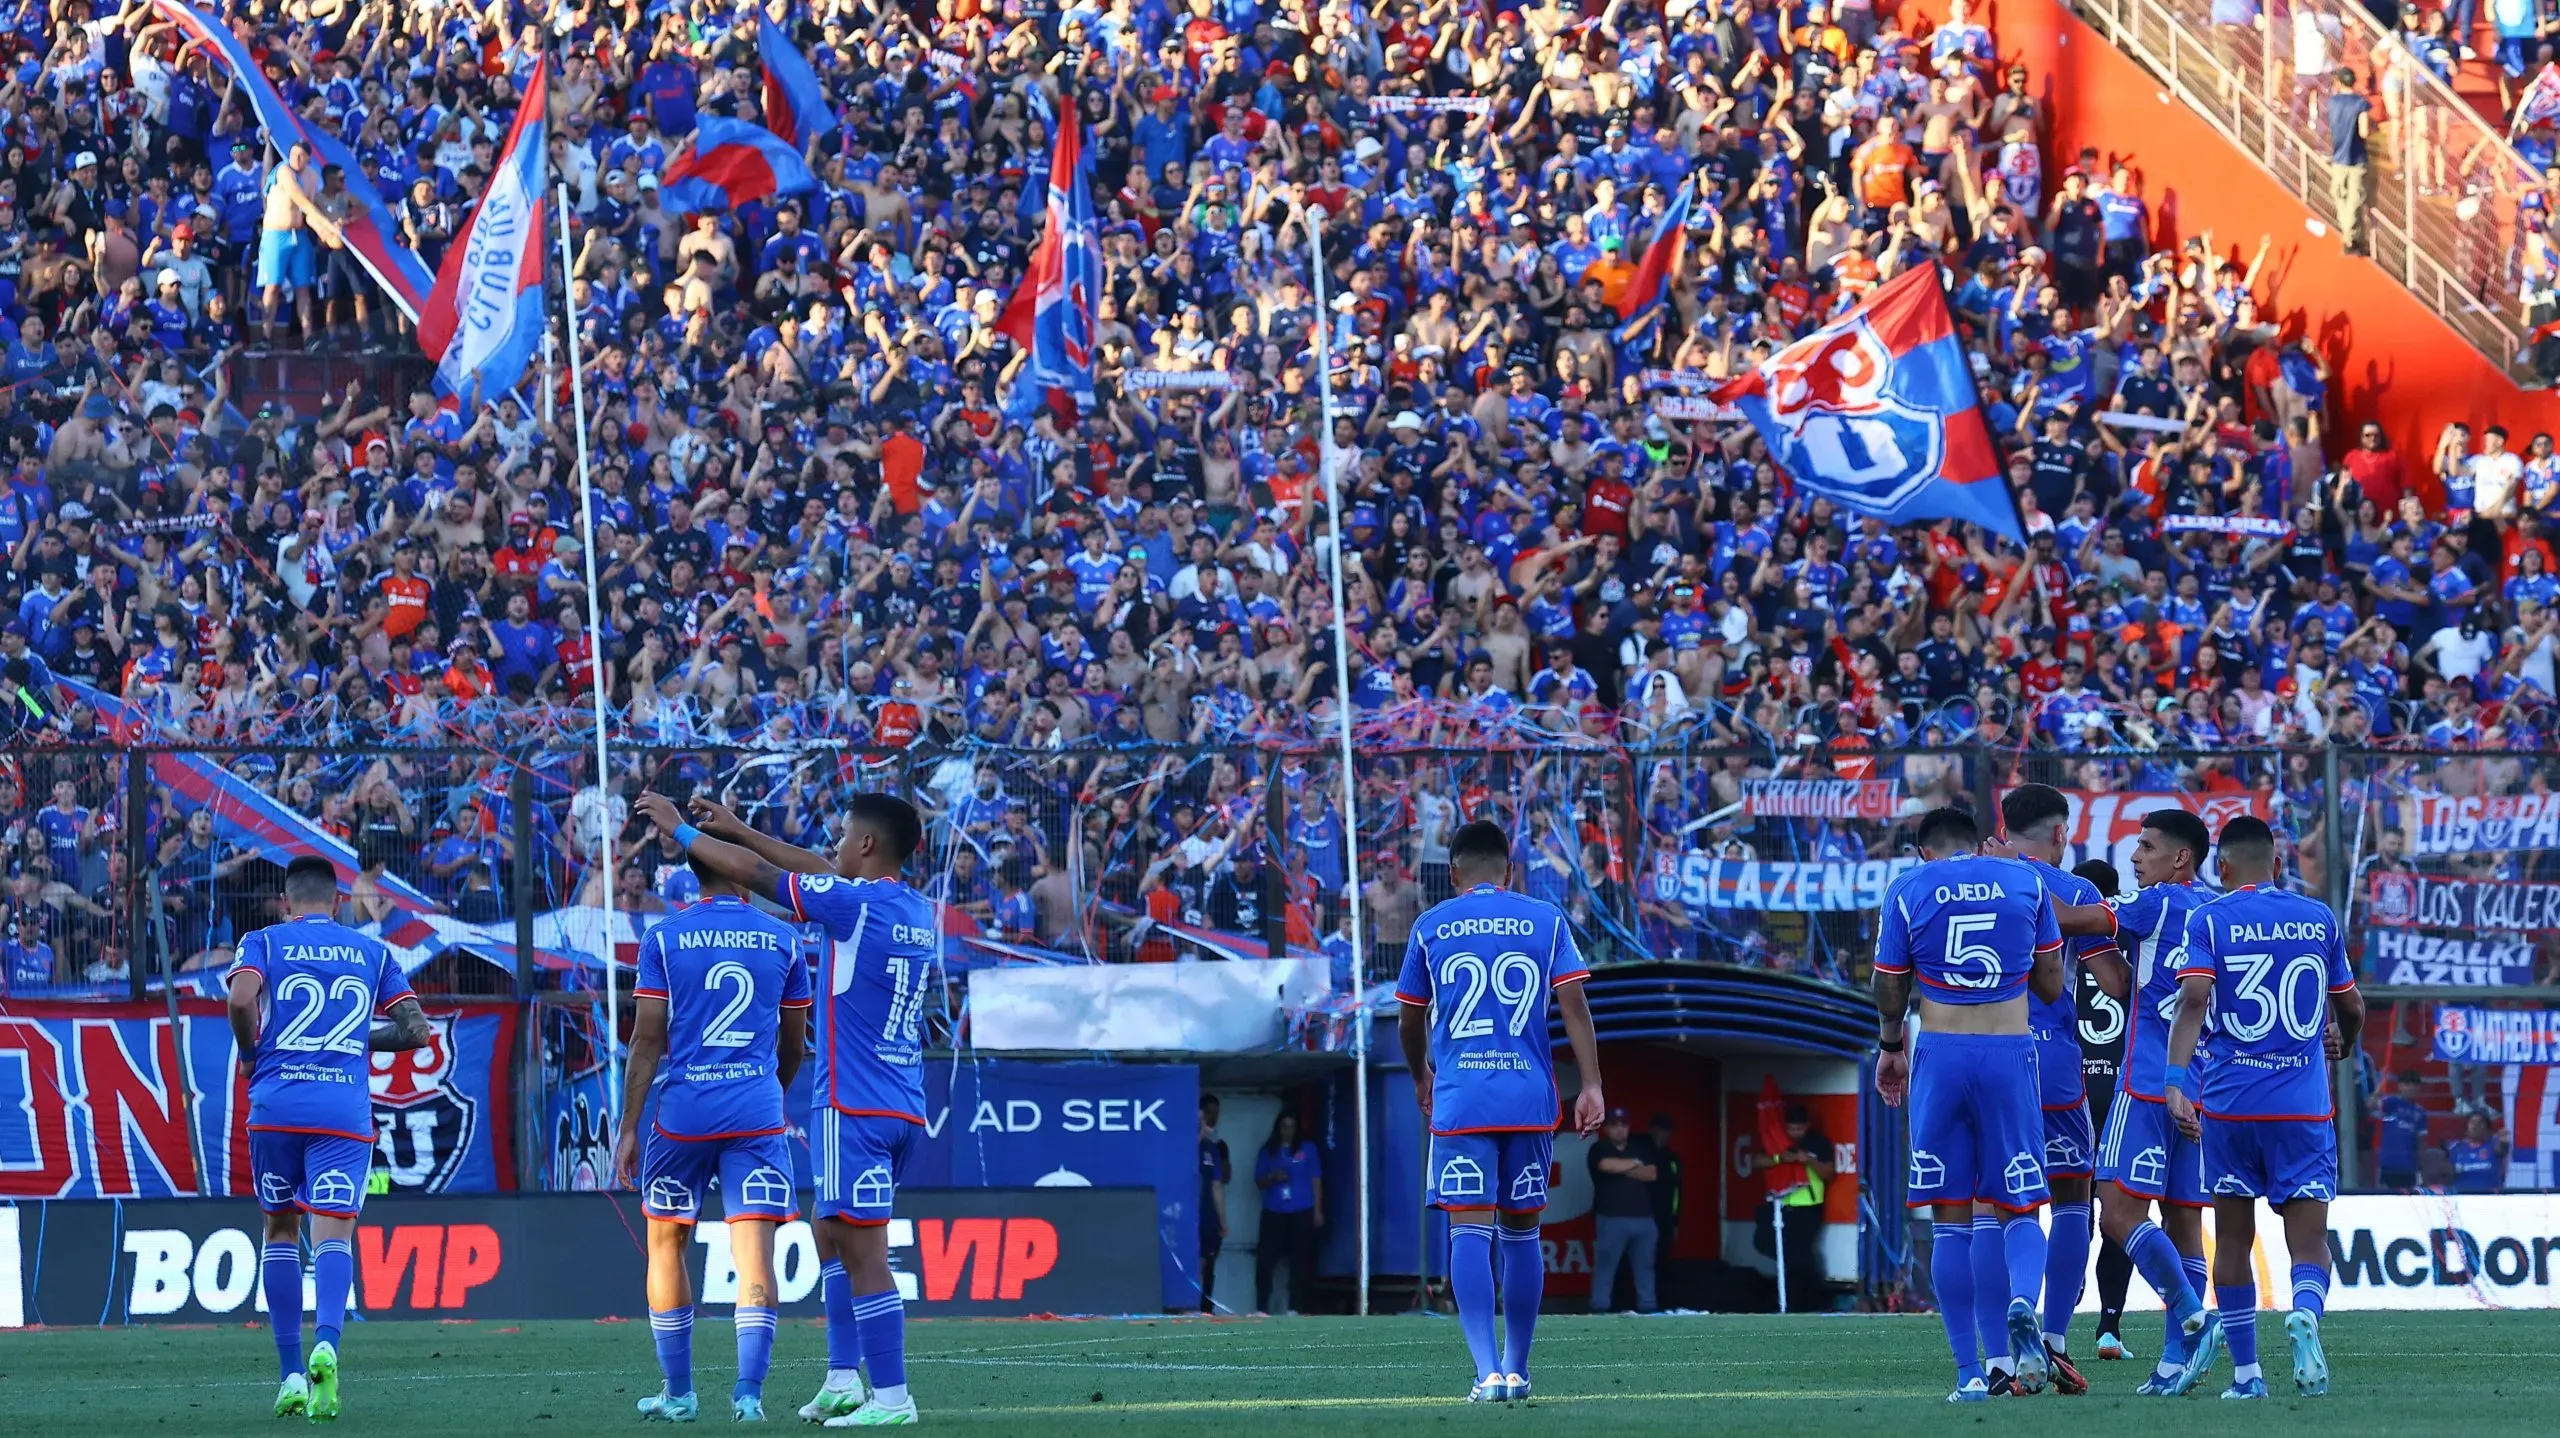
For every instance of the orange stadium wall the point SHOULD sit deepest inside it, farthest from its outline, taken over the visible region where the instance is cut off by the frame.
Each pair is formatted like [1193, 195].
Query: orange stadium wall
[2389, 357]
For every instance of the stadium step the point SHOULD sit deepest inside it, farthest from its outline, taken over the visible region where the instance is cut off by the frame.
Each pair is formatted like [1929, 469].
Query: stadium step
[2444, 185]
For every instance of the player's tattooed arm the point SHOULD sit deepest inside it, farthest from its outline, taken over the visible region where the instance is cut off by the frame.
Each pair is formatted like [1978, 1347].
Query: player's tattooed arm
[1893, 1006]
[241, 1004]
[735, 863]
[716, 821]
[405, 1028]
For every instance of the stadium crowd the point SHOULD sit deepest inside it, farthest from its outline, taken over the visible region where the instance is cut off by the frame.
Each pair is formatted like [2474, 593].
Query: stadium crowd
[823, 510]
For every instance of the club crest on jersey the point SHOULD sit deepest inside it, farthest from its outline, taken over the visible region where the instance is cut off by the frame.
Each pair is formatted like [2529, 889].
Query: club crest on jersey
[423, 1123]
[1835, 415]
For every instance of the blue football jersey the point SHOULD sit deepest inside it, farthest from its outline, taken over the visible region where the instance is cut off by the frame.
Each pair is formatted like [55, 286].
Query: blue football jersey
[728, 971]
[2056, 1025]
[324, 985]
[883, 945]
[1484, 962]
[2150, 924]
[2274, 957]
[1968, 927]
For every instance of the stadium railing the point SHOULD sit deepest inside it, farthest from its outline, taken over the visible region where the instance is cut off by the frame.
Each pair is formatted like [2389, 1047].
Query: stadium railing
[2444, 186]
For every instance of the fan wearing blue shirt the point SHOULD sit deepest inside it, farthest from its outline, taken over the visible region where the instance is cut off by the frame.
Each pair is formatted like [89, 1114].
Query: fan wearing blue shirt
[1292, 1183]
[722, 998]
[1974, 933]
[1477, 972]
[2263, 974]
[302, 997]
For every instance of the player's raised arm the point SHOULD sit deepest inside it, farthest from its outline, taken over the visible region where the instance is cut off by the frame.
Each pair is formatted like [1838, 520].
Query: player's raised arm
[716, 821]
[736, 863]
[2086, 921]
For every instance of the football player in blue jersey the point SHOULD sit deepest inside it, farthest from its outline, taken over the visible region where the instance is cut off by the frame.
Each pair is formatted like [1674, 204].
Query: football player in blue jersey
[1976, 933]
[1477, 972]
[303, 997]
[885, 946]
[2265, 973]
[2143, 1159]
[2101, 1036]
[2034, 817]
[723, 997]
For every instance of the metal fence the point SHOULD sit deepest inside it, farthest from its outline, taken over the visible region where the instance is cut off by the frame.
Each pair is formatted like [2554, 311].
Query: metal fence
[2444, 188]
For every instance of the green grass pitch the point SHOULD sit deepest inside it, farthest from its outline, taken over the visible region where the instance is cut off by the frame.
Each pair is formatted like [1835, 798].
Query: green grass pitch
[2399, 1374]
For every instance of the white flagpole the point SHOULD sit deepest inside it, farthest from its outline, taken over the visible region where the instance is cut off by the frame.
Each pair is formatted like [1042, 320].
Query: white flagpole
[595, 666]
[1342, 729]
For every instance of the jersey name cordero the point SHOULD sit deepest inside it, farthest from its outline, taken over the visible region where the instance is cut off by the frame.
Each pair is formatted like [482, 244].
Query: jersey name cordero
[729, 972]
[2150, 924]
[324, 985]
[883, 948]
[1484, 962]
[1967, 927]
[2055, 1025]
[2274, 957]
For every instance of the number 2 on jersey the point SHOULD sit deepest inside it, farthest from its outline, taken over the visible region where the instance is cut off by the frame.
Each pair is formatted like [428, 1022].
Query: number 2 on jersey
[346, 1036]
[1513, 978]
[731, 975]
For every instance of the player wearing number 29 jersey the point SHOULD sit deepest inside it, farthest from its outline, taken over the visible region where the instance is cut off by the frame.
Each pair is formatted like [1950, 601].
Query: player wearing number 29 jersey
[875, 975]
[1484, 963]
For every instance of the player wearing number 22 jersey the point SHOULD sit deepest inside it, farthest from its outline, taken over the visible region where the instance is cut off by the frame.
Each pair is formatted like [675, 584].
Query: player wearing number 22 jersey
[310, 1084]
[2262, 1081]
[730, 975]
[870, 1045]
[1485, 961]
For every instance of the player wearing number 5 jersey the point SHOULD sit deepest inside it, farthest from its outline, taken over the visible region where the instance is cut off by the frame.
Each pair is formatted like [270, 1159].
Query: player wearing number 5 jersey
[722, 997]
[2265, 973]
[303, 997]
[1477, 972]
[884, 943]
[1975, 934]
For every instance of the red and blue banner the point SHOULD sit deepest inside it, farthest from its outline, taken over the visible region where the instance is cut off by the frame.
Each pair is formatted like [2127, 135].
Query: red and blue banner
[372, 229]
[484, 320]
[733, 163]
[242, 816]
[1875, 412]
[1051, 313]
[795, 108]
[1652, 280]
[95, 1102]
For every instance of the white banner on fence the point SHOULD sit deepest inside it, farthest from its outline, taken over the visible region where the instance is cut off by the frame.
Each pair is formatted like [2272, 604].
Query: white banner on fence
[1872, 799]
[1190, 1008]
[2248, 525]
[1429, 104]
[1687, 381]
[1146, 379]
[2415, 1251]
[1693, 407]
[1703, 881]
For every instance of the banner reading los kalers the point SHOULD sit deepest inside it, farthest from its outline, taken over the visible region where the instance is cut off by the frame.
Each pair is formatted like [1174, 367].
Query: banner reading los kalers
[90, 1103]
[2423, 901]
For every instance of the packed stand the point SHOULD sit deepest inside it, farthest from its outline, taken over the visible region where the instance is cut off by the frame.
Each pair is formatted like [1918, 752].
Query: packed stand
[823, 511]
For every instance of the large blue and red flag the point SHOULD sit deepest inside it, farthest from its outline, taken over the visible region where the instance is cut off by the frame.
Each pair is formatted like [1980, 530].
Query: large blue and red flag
[1051, 313]
[795, 108]
[733, 163]
[242, 817]
[373, 228]
[484, 320]
[1652, 279]
[1875, 412]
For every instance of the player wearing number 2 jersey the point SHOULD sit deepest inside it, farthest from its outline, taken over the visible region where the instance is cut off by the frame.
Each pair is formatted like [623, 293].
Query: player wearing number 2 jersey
[877, 970]
[1477, 972]
[2265, 973]
[1975, 934]
[303, 997]
[722, 996]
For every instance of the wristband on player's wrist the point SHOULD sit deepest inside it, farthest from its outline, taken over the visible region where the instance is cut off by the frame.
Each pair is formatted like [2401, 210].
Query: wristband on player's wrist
[1889, 1046]
[685, 835]
[2175, 1078]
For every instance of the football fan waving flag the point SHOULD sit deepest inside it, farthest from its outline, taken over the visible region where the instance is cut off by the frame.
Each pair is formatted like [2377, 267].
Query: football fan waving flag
[1875, 412]
[485, 319]
[1051, 313]
[1652, 279]
[733, 163]
[795, 108]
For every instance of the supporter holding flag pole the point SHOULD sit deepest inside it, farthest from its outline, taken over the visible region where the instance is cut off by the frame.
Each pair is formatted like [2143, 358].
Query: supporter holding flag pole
[1875, 412]
[1051, 314]
[595, 662]
[2540, 103]
[795, 108]
[733, 163]
[1651, 284]
[484, 320]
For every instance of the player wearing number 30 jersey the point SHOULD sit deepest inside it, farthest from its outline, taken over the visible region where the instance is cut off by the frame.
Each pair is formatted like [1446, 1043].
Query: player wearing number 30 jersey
[1477, 972]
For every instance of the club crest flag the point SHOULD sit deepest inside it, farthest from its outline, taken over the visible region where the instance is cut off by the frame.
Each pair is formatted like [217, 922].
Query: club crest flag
[1051, 313]
[485, 318]
[1875, 412]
